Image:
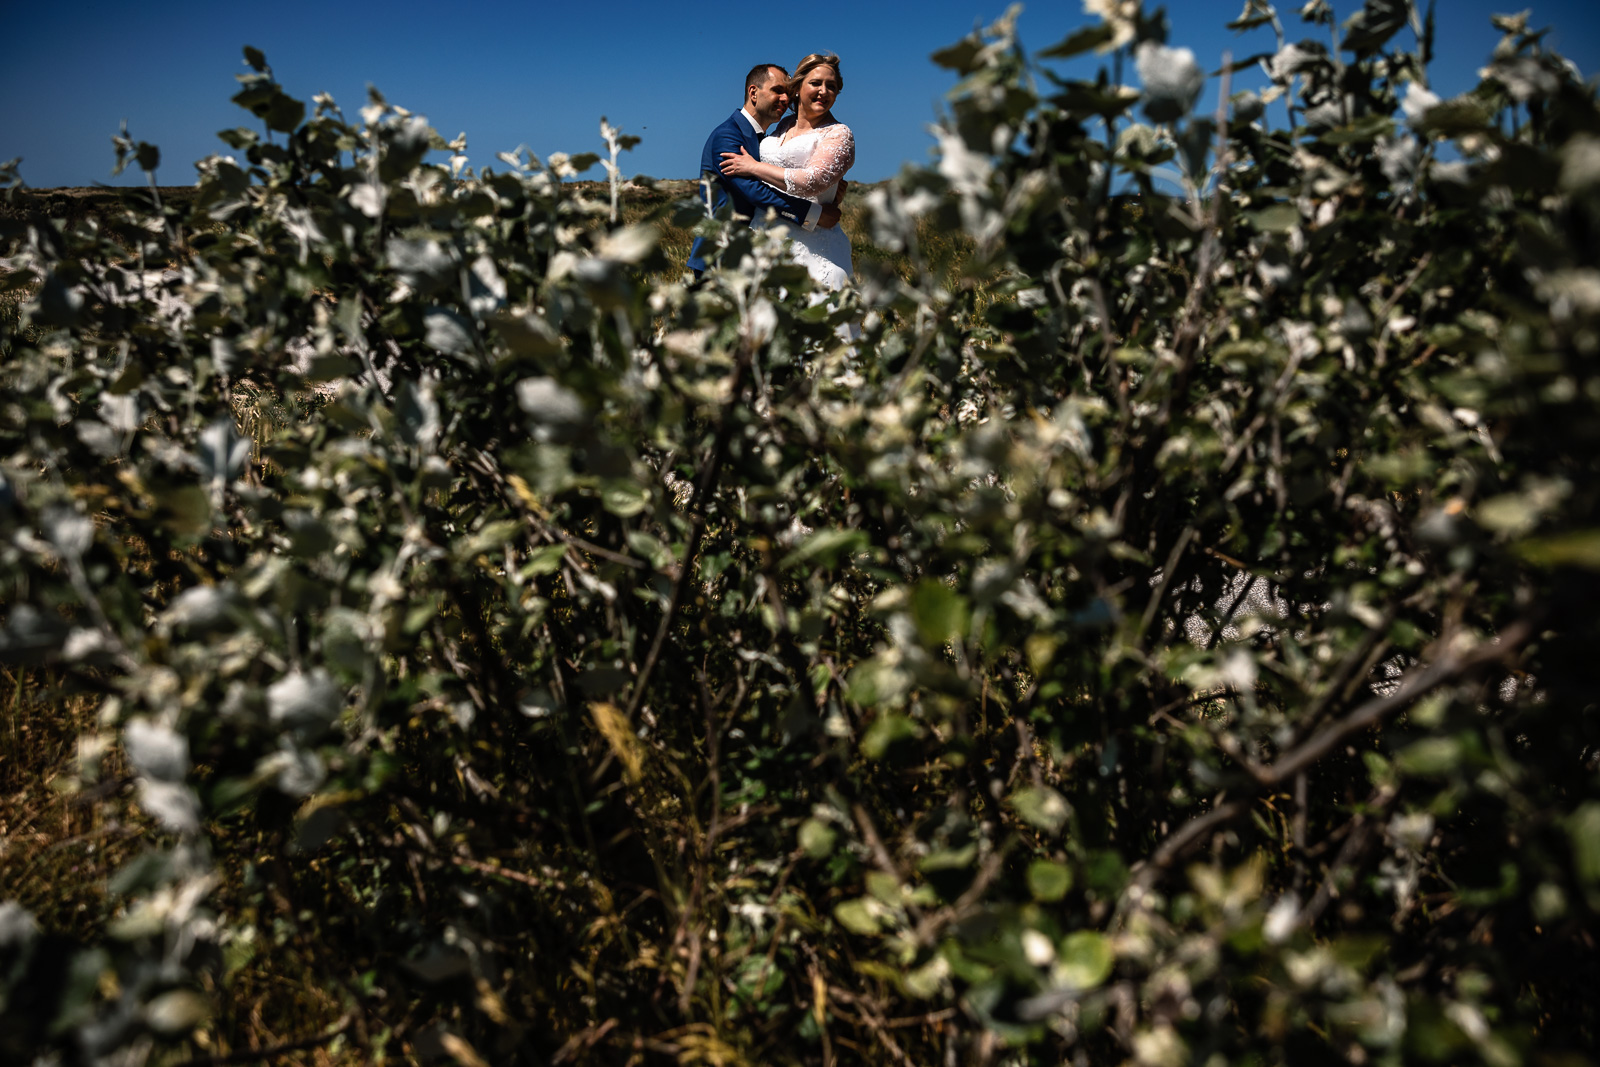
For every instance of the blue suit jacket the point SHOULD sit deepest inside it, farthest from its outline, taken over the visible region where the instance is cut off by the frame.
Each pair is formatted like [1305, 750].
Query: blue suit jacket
[750, 196]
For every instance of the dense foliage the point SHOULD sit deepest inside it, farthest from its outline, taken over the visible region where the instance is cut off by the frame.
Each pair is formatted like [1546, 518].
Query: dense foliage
[1164, 636]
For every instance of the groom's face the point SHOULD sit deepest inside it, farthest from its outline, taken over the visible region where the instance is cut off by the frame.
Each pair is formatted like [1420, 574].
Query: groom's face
[768, 102]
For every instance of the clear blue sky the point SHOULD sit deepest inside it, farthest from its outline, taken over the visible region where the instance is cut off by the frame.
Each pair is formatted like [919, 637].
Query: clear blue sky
[542, 73]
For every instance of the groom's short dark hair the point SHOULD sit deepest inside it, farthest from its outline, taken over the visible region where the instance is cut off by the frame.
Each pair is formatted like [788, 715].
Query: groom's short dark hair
[760, 74]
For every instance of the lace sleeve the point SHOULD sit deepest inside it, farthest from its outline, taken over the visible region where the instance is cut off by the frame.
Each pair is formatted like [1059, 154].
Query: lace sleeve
[835, 153]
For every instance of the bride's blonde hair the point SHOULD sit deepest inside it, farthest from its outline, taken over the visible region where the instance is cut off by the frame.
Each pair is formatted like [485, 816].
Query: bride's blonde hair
[807, 65]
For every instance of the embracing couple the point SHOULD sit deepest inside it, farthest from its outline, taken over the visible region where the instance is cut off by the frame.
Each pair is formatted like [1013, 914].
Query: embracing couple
[796, 170]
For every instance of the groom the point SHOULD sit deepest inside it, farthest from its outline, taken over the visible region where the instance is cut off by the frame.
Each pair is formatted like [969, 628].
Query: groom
[766, 98]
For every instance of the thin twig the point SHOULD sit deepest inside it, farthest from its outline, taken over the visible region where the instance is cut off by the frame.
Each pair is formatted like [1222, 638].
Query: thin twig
[256, 1055]
[697, 504]
[1447, 668]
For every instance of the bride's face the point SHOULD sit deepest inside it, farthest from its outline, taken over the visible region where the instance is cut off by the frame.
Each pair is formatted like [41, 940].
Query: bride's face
[818, 91]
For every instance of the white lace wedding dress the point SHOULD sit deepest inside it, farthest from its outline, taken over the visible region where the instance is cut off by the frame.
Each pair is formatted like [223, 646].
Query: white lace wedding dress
[813, 162]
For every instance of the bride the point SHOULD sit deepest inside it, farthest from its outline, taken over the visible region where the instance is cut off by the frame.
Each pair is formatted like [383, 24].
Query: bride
[806, 155]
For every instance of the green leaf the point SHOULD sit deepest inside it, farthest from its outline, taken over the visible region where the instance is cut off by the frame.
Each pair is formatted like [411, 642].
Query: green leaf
[272, 105]
[948, 859]
[1579, 548]
[960, 56]
[1049, 881]
[1042, 807]
[858, 916]
[1377, 21]
[1085, 959]
[1079, 41]
[625, 499]
[877, 681]
[184, 510]
[817, 839]
[491, 536]
[1086, 98]
[1275, 218]
[941, 613]
[256, 59]
[1455, 117]
[1364, 130]
[546, 560]
[825, 547]
[886, 731]
[1430, 757]
[1583, 829]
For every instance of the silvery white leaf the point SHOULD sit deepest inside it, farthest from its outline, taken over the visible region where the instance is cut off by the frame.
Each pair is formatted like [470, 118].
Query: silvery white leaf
[223, 453]
[894, 217]
[1275, 267]
[448, 331]
[413, 134]
[1172, 80]
[28, 629]
[175, 1012]
[121, 413]
[202, 607]
[99, 438]
[629, 244]
[300, 771]
[762, 322]
[368, 199]
[1580, 163]
[83, 643]
[424, 265]
[223, 355]
[1238, 670]
[72, 533]
[1025, 600]
[156, 751]
[17, 925]
[303, 699]
[1411, 831]
[991, 578]
[967, 171]
[488, 288]
[555, 409]
[1398, 158]
[537, 703]
[1525, 77]
[1417, 102]
[562, 265]
[1293, 59]
[1281, 919]
[172, 805]
[597, 272]
[1247, 107]
[1328, 112]
[417, 414]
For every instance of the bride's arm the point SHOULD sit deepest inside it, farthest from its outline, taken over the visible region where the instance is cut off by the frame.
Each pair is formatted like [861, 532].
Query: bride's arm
[743, 163]
[835, 153]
